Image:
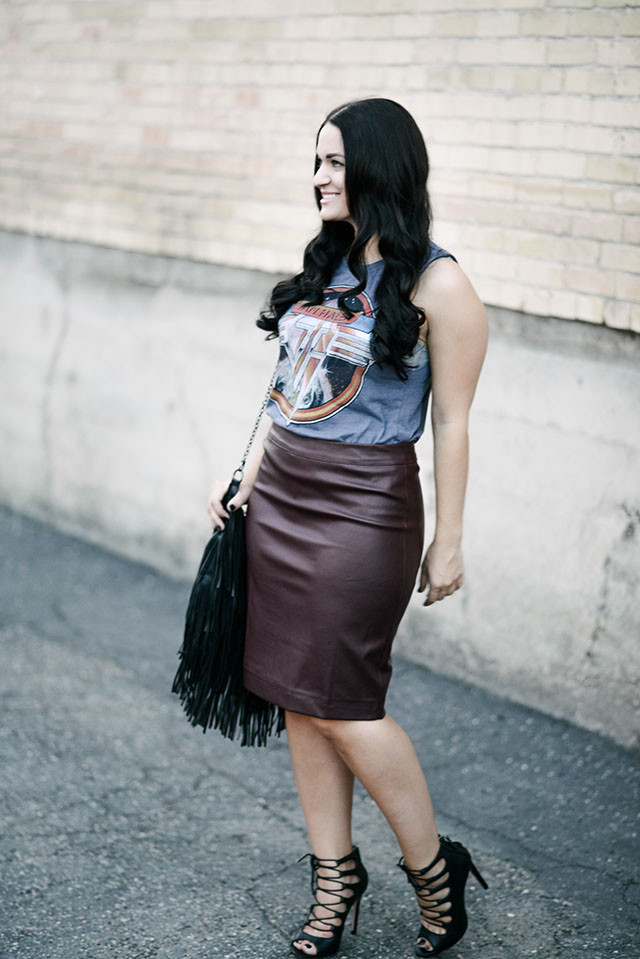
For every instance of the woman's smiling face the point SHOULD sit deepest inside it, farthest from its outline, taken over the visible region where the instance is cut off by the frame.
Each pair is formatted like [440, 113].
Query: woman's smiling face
[329, 178]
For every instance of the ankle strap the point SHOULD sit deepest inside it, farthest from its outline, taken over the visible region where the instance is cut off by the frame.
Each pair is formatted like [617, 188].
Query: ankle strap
[447, 846]
[331, 863]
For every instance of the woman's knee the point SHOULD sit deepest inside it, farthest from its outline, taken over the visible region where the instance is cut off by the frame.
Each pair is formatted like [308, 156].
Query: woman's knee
[336, 730]
[328, 728]
[300, 721]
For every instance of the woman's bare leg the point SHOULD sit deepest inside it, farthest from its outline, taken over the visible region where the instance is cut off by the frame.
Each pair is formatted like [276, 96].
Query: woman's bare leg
[325, 787]
[326, 752]
[383, 758]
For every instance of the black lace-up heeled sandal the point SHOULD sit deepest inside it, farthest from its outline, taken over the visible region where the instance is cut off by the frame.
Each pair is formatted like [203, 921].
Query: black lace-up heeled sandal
[344, 886]
[440, 891]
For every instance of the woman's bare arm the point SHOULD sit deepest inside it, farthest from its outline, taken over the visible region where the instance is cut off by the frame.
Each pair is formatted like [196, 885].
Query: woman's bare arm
[456, 335]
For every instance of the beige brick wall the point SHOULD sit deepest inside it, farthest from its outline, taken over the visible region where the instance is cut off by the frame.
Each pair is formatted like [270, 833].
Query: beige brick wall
[186, 127]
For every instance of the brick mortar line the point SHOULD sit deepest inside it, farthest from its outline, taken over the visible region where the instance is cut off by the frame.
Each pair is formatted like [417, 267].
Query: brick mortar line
[563, 183]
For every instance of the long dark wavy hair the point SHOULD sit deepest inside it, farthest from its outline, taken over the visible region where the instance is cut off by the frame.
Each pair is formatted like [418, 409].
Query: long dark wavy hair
[386, 183]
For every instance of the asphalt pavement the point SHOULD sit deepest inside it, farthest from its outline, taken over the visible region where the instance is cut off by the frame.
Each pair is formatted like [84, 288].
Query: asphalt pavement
[127, 834]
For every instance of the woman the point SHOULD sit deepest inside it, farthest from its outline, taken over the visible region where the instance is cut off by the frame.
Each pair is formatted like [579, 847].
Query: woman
[378, 317]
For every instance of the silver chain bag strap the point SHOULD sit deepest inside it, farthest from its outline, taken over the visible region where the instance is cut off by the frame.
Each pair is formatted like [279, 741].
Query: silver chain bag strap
[238, 473]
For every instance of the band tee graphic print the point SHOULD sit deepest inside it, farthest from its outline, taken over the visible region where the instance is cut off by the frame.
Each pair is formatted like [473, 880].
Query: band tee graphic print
[324, 356]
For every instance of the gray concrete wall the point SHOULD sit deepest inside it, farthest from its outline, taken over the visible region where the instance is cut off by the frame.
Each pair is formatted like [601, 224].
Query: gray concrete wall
[128, 382]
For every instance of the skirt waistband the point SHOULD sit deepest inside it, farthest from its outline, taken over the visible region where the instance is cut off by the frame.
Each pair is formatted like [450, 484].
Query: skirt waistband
[333, 451]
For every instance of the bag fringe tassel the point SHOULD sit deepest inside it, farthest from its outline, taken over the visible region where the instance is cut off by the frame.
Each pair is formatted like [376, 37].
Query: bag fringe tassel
[209, 677]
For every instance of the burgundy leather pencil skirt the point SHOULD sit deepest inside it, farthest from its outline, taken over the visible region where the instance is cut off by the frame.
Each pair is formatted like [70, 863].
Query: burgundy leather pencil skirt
[334, 542]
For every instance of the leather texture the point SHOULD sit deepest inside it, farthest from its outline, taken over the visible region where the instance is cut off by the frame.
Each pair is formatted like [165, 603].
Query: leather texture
[334, 542]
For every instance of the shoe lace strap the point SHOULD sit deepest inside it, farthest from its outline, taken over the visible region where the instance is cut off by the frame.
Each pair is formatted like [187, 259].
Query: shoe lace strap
[326, 924]
[427, 888]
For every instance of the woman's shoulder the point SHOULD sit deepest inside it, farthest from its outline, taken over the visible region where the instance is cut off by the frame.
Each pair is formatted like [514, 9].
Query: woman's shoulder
[437, 253]
[442, 276]
[447, 296]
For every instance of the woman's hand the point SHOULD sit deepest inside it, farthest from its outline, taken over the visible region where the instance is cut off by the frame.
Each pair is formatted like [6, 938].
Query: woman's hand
[442, 572]
[217, 512]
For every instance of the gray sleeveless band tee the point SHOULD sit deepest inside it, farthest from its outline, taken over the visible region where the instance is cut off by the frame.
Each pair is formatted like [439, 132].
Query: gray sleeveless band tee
[327, 383]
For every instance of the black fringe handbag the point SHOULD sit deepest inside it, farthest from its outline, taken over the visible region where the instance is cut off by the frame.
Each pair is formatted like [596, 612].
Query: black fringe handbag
[209, 677]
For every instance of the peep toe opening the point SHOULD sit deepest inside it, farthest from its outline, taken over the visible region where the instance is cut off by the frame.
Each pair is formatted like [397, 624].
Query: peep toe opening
[439, 888]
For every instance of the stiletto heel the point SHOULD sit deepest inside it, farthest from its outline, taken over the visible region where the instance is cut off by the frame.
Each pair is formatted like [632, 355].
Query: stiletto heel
[440, 893]
[344, 892]
[472, 867]
[354, 918]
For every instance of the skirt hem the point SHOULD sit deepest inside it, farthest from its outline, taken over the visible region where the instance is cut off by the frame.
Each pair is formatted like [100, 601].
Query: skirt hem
[303, 702]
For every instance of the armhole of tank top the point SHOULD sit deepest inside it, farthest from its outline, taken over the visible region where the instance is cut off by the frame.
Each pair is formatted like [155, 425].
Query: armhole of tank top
[443, 255]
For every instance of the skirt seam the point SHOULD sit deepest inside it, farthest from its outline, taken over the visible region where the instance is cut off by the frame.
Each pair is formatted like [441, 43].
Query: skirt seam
[401, 607]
